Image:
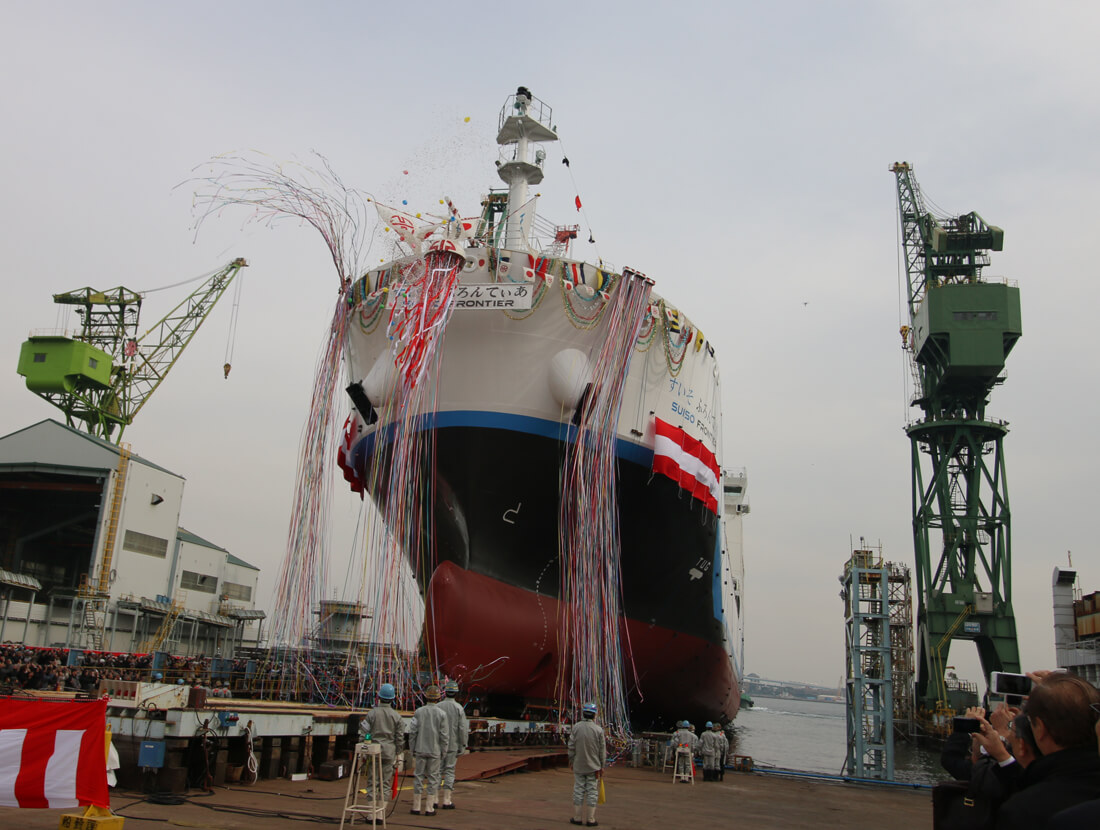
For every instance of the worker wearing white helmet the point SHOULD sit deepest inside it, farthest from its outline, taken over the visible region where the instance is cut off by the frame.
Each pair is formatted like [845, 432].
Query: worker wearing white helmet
[429, 738]
[459, 732]
[386, 727]
[587, 756]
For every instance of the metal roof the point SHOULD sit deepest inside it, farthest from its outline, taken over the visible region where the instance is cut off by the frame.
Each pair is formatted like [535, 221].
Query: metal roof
[155, 605]
[19, 580]
[236, 560]
[158, 607]
[247, 614]
[61, 457]
[195, 539]
[210, 619]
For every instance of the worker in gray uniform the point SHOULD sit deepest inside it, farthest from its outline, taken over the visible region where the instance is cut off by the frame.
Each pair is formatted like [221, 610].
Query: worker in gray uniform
[386, 727]
[683, 737]
[428, 740]
[710, 746]
[459, 731]
[587, 756]
[723, 750]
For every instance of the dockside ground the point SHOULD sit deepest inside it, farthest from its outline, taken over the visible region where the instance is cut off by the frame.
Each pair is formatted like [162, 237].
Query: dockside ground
[636, 798]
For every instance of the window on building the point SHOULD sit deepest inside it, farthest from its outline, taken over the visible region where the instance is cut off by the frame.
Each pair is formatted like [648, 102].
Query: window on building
[144, 543]
[234, 591]
[39, 357]
[191, 581]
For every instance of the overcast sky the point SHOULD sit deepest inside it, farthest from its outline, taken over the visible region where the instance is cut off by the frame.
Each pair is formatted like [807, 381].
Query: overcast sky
[737, 155]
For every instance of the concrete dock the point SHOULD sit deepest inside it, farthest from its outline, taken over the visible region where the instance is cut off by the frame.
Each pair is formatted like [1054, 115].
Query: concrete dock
[636, 798]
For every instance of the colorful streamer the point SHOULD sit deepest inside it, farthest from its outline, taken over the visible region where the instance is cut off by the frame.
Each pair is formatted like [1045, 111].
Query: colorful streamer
[588, 525]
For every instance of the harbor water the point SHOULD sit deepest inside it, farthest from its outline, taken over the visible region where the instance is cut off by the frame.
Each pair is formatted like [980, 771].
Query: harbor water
[811, 736]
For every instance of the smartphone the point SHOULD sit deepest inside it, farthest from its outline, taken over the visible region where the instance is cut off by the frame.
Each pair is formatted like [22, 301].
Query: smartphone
[1003, 683]
[966, 725]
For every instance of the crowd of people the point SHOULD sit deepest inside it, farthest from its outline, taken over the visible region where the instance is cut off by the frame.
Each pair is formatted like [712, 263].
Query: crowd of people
[48, 669]
[1036, 765]
[309, 678]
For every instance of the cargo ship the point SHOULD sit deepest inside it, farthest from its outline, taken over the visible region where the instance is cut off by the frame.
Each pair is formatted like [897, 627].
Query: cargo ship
[520, 343]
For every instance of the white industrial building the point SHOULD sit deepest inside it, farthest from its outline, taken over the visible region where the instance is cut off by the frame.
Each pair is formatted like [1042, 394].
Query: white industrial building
[92, 555]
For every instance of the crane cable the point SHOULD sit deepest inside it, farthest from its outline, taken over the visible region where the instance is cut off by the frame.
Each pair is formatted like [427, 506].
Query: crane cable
[188, 281]
[903, 306]
[231, 340]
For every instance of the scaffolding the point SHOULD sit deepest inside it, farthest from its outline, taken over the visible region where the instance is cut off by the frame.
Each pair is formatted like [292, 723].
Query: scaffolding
[869, 686]
[901, 649]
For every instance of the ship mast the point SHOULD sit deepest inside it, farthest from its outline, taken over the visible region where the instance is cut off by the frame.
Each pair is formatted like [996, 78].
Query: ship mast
[523, 120]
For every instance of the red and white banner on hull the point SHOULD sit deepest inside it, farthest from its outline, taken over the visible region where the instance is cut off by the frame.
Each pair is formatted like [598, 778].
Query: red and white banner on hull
[688, 462]
[53, 753]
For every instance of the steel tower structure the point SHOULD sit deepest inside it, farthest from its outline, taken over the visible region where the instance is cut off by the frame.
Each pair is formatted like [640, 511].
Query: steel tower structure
[960, 331]
[869, 687]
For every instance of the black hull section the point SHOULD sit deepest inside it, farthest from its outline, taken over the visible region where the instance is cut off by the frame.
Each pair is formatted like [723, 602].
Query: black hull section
[494, 512]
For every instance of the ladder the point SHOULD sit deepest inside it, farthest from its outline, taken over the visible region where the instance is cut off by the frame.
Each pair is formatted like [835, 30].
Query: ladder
[168, 624]
[96, 592]
[366, 798]
[104, 585]
[684, 770]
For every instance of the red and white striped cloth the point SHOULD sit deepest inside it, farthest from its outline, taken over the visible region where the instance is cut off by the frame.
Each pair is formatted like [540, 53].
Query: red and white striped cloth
[688, 462]
[53, 753]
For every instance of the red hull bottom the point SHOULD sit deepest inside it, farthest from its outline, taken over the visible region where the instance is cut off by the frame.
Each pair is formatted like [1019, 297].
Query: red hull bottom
[501, 641]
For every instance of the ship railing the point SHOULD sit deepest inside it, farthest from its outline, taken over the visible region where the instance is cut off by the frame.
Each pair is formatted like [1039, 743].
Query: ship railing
[69, 333]
[537, 109]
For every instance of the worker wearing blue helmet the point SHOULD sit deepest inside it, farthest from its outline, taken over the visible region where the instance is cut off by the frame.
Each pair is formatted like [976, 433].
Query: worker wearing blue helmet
[710, 747]
[683, 739]
[723, 750]
[587, 756]
[386, 727]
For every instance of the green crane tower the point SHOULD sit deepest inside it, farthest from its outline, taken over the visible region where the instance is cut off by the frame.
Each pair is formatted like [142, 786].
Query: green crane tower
[960, 331]
[101, 377]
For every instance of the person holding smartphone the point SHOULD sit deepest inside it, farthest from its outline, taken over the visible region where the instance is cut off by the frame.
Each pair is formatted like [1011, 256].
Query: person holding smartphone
[1060, 712]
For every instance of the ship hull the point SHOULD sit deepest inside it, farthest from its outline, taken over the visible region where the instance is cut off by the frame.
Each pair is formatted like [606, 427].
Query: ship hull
[494, 448]
[500, 638]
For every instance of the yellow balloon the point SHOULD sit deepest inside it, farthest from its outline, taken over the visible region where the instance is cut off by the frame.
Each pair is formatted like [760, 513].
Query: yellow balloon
[467, 119]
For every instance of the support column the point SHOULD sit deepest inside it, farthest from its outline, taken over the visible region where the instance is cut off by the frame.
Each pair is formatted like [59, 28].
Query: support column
[27, 621]
[7, 607]
[72, 615]
[49, 621]
[110, 644]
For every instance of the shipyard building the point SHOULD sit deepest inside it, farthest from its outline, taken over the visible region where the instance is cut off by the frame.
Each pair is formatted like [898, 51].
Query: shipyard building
[1076, 627]
[92, 555]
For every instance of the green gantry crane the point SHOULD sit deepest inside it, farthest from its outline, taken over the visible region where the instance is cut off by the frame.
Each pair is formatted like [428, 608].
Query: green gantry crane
[101, 377]
[960, 331]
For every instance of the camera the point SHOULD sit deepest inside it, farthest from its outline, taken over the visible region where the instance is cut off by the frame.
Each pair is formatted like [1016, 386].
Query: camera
[967, 725]
[1003, 683]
